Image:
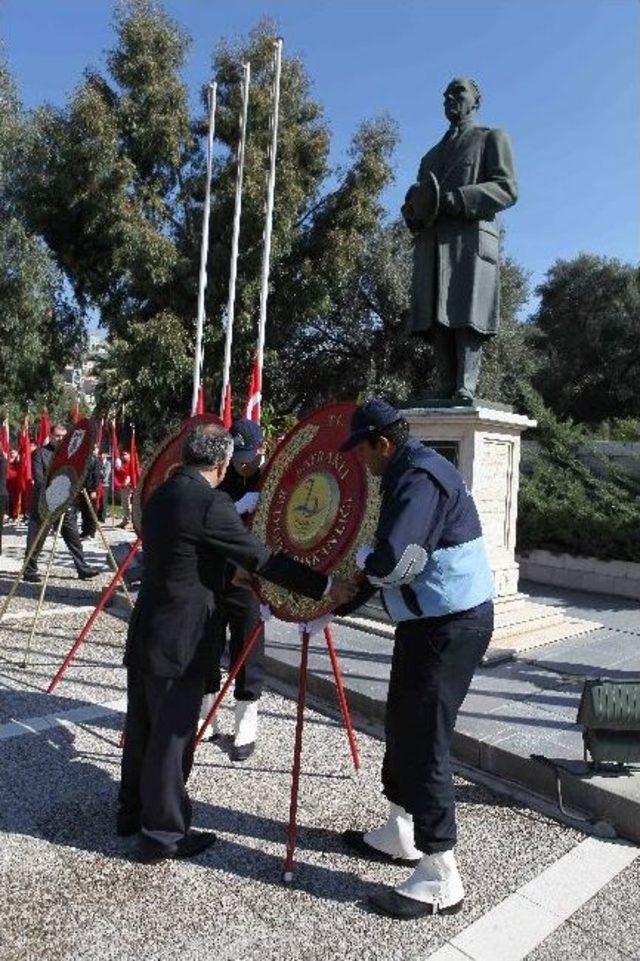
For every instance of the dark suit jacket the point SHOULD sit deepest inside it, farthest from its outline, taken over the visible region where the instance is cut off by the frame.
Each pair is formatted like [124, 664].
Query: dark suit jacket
[189, 532]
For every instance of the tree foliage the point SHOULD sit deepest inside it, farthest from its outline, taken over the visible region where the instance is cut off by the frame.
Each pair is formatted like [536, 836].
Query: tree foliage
[40, 327]
[588, 338]
[114, 182]
[564, 506]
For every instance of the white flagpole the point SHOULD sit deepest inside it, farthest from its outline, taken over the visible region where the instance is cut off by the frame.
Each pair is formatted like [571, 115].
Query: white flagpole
[268, 224]
[231, 303]
[204, 249]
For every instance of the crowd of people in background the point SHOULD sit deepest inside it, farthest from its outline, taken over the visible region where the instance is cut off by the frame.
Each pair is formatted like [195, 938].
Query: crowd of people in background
[108, 482]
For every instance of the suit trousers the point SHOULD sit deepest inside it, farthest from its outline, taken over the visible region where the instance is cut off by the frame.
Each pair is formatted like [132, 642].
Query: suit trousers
[88, 523]
[433, 662]
[161, 725]
[239, 611]
[70, 536]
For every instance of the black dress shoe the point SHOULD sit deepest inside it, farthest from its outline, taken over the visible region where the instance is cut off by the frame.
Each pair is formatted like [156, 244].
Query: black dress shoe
[151, 852]
[88, 572]
[242, 751]
[355, 840]
[127, 824]
[32, 578]
[393, 905]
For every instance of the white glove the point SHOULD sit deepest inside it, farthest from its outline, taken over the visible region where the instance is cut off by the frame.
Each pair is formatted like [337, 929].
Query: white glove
[265, 613]
[248, 503]
[315, 627]
[361, 555]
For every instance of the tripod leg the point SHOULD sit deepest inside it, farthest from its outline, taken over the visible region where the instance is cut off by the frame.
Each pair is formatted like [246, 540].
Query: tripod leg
[92, 617]
[252, 637]
[287, 870]
[37, 543]
[342, 697]
[27, 650]
[105, 544]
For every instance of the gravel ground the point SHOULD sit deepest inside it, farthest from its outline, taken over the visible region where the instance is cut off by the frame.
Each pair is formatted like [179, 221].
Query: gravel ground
[69, 890]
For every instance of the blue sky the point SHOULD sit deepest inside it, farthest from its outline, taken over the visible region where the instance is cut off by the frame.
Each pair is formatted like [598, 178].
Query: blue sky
[559, 75]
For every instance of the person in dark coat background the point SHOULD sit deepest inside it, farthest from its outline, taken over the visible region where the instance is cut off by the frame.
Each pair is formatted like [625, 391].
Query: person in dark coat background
[190, 531]
[69, 530]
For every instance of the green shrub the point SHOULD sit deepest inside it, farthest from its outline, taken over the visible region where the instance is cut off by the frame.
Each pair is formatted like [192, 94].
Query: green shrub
[564, 506]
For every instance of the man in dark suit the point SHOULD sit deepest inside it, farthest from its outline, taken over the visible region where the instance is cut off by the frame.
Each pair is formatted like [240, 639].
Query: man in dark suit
[69, 530]
[190, 531]
[464, 182]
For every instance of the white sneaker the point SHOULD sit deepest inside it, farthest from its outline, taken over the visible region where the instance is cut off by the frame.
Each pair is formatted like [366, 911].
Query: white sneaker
[395, 836]
[436, 881]
[246, 730]
[213, 729]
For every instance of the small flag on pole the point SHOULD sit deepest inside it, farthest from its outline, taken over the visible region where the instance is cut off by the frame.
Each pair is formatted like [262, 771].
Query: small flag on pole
[115, 449]
[99, 434]
[5, 439]
[227, 416]
[134, 460]
[44, 429]
[255, 393]
[24, 449]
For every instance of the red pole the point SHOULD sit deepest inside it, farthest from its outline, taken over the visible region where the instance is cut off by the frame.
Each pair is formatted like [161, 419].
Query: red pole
[252, 637]
[117, 577]
[287, 871]
[342, 697]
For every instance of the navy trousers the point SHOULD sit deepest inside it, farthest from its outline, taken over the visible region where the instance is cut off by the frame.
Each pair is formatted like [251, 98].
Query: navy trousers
[434, 660]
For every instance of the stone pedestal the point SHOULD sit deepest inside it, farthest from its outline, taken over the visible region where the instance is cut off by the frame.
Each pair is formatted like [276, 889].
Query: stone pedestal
[484, 444]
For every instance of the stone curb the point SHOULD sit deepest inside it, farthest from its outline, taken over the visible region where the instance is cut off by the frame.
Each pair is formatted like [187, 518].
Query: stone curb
[596, 801]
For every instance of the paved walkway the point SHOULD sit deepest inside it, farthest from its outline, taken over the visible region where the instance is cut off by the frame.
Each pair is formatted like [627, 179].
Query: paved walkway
[537, 889]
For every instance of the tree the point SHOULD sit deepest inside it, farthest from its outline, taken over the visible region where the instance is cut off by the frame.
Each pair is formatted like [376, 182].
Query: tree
[40, 327]
[587, 331]
[509, 360]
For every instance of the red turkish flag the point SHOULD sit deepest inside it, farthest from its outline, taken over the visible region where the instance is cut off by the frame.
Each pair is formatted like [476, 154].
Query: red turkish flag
[254, 396]
[44, 429]
[99, 434]
[25, 472]
[5, 439]
[134, 463]
[115, 449]
[227, 416]
[200, 402]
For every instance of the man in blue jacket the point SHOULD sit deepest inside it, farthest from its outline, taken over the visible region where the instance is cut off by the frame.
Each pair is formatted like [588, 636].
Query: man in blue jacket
[430, 564]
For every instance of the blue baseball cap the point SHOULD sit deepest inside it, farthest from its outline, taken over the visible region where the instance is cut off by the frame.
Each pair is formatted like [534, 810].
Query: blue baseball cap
[368, 420]
[247, 438]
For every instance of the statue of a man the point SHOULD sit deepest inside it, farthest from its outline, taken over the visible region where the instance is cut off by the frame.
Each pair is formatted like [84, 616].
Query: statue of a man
[463, 182]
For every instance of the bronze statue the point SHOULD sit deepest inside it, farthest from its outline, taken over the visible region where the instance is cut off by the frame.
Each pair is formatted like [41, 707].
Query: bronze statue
[463, 182]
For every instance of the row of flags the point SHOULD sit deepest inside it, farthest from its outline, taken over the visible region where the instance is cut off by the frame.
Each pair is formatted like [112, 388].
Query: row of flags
[25, 470]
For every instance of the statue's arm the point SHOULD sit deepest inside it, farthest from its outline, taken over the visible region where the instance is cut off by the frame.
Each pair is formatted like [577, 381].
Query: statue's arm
[499, 188]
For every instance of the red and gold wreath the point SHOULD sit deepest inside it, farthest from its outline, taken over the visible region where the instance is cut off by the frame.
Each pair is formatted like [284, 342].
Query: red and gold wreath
[317, 504]
[68, 468]
[164, 460]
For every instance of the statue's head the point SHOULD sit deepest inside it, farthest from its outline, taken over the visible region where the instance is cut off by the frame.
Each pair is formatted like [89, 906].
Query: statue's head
[461, 99]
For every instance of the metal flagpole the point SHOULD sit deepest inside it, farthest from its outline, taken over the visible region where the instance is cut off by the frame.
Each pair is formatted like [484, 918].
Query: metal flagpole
[268, 223]
[204, 249]
[231, 303]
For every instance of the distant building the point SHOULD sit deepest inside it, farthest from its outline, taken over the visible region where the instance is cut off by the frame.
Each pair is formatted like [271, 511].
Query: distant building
[80, 378]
